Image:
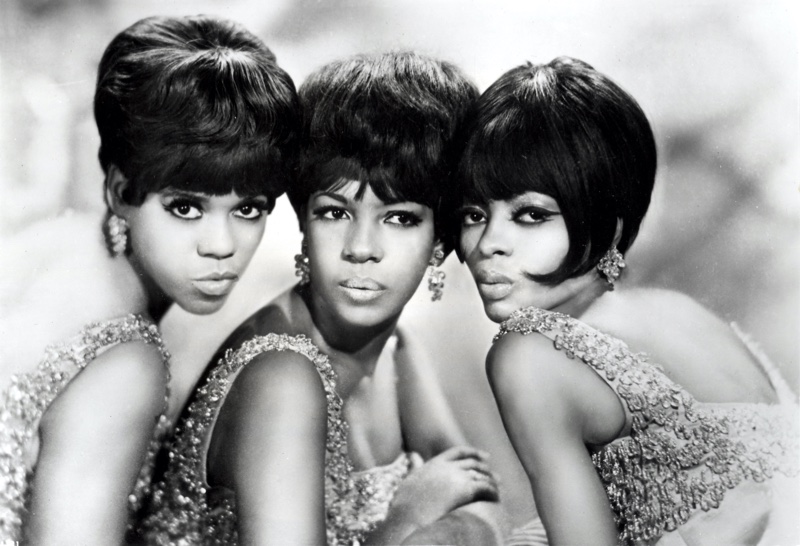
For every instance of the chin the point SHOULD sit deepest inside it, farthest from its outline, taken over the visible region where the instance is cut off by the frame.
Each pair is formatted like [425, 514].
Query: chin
[203, 307]
[498, 311]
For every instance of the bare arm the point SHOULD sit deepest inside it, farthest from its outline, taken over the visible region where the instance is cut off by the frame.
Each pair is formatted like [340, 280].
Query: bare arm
[269, 448]
[550, 405]
[94, 438]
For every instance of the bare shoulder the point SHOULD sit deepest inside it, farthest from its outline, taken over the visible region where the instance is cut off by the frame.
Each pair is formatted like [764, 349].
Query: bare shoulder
[128, 381]
[530, 367]
[287, 370]
[537, 384]
[276, 397]
[695, 347]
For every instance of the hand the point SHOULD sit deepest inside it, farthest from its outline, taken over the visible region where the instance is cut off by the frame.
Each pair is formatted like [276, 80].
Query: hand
[455, 477]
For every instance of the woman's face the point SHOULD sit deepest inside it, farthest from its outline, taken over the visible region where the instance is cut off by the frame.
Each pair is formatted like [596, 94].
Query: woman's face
[195, 246]
[367, 257]
[505, 241]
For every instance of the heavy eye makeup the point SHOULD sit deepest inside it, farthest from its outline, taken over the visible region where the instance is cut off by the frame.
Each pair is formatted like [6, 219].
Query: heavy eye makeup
[531, 215]
[251, 209]
[471, 215]
[183, 207]
[403, 218]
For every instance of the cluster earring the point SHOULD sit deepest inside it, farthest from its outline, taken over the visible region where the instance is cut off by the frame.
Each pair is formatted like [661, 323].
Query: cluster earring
[435, 275]
[611, 265]
[301, 264]
[117, 234]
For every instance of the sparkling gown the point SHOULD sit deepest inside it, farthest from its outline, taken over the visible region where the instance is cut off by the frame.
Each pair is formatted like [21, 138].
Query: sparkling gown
[689, 472]
[25, 400]
[185, 510]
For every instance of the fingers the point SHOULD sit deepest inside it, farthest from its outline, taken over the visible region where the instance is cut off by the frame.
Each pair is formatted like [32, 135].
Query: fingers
[472, 464]
[484, 486]
[463, 452]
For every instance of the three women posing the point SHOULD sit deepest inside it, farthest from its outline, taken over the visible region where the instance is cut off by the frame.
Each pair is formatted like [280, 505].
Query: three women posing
[198, 129]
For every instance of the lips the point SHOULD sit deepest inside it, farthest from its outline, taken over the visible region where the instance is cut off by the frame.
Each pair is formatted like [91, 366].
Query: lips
[493, 285]
[216, 284]
[362, 289]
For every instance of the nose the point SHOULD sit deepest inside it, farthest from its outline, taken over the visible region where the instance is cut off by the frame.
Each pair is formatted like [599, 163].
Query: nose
[217, 240]
[362, 243]
[493, 241]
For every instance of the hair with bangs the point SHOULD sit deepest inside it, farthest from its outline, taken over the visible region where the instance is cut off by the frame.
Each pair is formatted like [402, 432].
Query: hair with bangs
[196, 103]
[390, 121]
[565, 130]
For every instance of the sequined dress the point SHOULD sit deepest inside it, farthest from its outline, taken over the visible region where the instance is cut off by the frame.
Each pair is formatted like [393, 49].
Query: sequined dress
[25, 400]
[689, 472]
[185, 510]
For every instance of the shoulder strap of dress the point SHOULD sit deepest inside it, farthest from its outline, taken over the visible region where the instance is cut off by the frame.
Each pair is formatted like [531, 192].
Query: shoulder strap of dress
[648, 394]
[785, 394]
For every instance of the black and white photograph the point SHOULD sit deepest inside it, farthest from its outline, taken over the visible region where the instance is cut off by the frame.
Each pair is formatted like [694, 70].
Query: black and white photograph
[372, 272]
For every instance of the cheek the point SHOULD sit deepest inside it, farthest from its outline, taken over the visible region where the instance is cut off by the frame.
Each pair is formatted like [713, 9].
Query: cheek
[545, 251]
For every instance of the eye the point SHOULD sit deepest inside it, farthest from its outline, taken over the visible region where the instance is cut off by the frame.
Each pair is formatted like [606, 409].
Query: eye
[249, 212]
[472, 215]
[532, 215]
[184, 210]
[403, 218]
[330, 213]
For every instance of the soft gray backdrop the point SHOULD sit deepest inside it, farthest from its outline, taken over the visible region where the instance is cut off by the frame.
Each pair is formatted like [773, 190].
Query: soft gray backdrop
[719, 81]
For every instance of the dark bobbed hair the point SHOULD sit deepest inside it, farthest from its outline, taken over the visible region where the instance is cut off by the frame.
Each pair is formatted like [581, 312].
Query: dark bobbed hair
[196, 103]
[391, 121]
[565, 130]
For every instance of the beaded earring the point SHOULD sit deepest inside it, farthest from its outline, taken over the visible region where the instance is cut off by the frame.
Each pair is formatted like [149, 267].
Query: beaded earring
[301, 267]
[611, 265]
[435, 275]
[117, 234]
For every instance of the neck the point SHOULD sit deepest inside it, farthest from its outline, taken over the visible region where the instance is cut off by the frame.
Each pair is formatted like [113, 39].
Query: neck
[156, 301]
[354, 350]
[585, 292]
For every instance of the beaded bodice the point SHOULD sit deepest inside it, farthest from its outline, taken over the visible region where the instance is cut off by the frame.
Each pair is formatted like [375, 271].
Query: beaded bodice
[27, 397]
[184, 510]
[681, 455]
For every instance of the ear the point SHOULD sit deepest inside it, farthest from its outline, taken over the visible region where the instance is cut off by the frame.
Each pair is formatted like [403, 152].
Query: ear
[116, 184]
[438, 250]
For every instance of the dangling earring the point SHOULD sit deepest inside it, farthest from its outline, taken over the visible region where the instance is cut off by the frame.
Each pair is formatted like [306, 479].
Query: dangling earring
[435, 275]
[301, 267]
[611, 265]
[117, 234]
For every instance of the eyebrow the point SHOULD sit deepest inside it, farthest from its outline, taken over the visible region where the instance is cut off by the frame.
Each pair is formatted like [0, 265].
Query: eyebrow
[333, 195]
[186, 194]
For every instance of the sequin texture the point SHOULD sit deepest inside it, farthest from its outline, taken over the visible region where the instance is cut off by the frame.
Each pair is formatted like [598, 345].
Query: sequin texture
[184, 510]
[682, 456]
[26, 399]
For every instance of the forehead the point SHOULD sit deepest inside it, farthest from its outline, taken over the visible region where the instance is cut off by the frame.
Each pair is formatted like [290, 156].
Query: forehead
[534, 198]
[355, 191]
[230, 197]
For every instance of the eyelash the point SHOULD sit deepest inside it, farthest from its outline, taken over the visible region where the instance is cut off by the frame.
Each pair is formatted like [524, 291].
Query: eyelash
[173, 207]
[405, 219]
[538, 216]
[470, 211]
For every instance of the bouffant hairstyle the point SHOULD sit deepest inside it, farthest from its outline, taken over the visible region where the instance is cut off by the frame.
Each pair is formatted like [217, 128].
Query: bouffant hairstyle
[195, 103]
[565, 130]
[392, 122]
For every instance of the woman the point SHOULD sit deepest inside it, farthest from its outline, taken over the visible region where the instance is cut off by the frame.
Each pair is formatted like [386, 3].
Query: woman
[315, 423]
[557, 173]
[198, 127]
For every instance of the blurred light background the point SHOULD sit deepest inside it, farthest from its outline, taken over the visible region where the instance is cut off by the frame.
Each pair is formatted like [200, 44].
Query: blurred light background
[718, 79]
